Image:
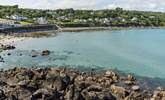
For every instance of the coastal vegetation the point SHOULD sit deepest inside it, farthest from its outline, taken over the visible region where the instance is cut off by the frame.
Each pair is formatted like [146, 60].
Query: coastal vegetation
[87, 18]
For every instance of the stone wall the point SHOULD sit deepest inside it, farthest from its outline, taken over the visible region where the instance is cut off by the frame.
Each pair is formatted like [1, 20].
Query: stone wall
[30, 28]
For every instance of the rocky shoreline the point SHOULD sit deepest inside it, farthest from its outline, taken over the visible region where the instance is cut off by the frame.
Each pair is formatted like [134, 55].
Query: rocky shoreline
[72, 84]
[68, 84]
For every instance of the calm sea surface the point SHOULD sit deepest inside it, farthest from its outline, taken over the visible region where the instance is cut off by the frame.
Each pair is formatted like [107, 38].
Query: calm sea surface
[138, 51]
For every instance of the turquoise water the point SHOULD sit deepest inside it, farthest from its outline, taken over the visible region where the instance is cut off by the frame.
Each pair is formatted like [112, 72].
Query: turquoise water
[138, 51]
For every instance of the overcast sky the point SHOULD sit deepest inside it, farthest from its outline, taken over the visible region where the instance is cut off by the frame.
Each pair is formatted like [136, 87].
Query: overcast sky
[148, 5]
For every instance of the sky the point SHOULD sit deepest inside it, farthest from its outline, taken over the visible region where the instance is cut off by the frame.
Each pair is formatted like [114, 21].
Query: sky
[145, 5]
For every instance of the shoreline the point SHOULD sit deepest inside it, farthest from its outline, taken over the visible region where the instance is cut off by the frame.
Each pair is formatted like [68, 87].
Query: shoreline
[77, 29]
[72, 84]
[8, 39]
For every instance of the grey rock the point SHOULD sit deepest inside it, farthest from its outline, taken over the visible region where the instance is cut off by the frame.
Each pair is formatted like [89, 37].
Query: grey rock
[136, 88]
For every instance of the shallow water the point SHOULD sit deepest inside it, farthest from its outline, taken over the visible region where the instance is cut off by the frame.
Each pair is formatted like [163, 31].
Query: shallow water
[138, 51]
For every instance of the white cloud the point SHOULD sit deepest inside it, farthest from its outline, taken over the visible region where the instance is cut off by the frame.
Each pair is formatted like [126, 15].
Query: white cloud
[151, 5]
[54, 4]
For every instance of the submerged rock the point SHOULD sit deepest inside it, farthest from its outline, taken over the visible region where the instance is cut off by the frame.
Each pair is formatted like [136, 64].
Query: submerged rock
[45, 52]
[8, 54]
[7, 47]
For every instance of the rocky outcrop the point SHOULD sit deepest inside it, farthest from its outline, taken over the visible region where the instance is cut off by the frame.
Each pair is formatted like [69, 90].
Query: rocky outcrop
[6, 47]
[69, 84]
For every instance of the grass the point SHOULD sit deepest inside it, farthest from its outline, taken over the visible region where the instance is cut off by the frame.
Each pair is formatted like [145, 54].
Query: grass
[25, 23]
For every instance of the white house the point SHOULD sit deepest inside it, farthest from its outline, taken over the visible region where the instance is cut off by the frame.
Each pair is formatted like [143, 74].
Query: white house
[134, 19]
[8, 23]
[62, 18]
[41, 20]
[18, 18]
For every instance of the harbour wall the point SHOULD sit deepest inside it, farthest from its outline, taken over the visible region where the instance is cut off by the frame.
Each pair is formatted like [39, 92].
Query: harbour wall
[29, 28]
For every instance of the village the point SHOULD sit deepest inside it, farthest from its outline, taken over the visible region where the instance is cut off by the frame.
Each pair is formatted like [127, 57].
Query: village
[79, 18]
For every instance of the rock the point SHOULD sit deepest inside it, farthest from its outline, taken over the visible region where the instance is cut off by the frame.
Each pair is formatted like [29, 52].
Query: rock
[40, 94]
[112, 75]
[130, 78]
[18, 94]
[23, 83]
[120, 91]
[109, 73]
[127, 82]
[9, 54]
[45, 53]
[1, 59]
[56, 96]
[2, 95]
[7, 47]
[134, 95]
[34, 55]
[136, 88]
[70, 94]
[12, 83]
[80, 85]
[33, 86]
[61, 83]
[159, 88]
[28, 74]
[66, 84]
[159, 94]
[94, 88]
[21, 77]
[65, 81]
[102, 95]
[2, 83]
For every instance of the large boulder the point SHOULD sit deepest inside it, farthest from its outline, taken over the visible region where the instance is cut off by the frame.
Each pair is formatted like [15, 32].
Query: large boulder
[120, 91]
[61, 83]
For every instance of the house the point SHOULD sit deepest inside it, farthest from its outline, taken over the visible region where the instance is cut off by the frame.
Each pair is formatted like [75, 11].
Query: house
[76, 20]
[106, 20]
[4, 23]
[152, 17]
[123, 20]
[90, 19]
[134, 19]
[41, 20]
[18, 18]
[62, 18]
